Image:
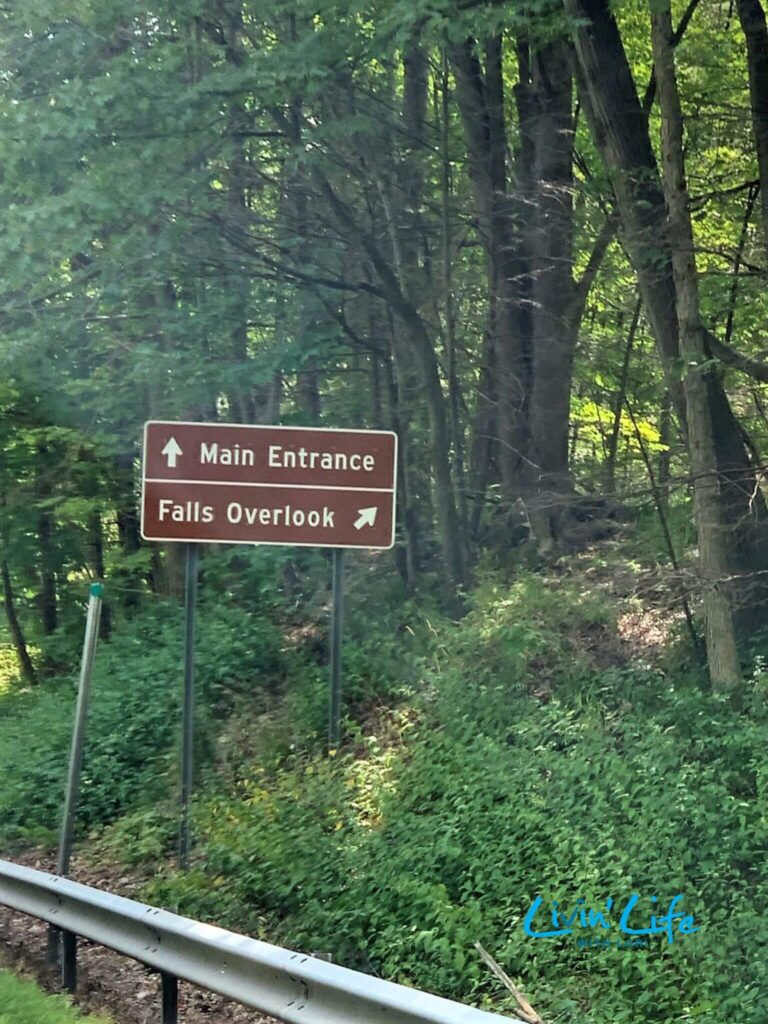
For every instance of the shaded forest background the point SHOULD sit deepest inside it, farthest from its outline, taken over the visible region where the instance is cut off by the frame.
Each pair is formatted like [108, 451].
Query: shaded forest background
[529, 238]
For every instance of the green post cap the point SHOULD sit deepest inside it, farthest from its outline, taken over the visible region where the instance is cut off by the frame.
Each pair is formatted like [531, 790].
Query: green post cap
[97, 589]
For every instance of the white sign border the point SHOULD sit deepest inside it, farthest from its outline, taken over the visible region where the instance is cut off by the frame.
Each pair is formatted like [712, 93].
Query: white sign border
[315, 487]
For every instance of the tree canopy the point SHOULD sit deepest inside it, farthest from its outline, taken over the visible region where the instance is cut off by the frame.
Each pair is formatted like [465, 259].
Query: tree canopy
[470, 223]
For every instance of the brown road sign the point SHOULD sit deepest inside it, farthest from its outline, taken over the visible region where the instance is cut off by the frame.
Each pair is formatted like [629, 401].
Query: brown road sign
[306, 486]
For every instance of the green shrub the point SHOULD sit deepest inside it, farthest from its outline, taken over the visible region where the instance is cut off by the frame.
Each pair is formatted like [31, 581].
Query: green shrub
[397, 857]
[133, 723]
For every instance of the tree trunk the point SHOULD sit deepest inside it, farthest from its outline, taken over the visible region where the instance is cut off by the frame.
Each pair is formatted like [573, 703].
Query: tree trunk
[733, 291]
[267, 400]
[407, 554]
[618, 404]
[374, 381]
[127, 519]
[402, 203]
[310, 311]
[752, 18]
[308, 394]
[451, 372]
[526, 231]
[14, 627]
[480, 97]
[452, 543]
[237, 283]
[722, 653]
[48, 599]
[620, 129]
[484, 444]
[554, 338]
[665, 455]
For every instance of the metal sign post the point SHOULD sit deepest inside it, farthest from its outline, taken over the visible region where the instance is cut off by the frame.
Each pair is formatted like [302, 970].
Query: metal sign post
[78, 735]
[188, 705]
[337, 624]
[67, 834]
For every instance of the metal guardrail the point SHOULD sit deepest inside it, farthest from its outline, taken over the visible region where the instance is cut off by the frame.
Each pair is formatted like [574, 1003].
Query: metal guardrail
[290, 986]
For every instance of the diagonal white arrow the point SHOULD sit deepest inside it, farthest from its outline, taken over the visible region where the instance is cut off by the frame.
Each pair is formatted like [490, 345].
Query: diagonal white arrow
[367, 517]
[172, 451]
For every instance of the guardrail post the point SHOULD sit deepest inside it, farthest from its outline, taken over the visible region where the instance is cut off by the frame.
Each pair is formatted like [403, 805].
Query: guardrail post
[280, 983]
[170, 985]
[69, 962]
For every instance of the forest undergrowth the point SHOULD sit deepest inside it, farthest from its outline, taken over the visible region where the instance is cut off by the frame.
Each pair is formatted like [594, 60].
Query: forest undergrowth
[559, 740]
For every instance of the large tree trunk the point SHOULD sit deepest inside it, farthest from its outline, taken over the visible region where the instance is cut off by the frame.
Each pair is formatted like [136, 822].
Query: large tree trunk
[480, 97]
[412, 348]
[554, 337]
[553, 279]
[620, 129]
[526, 229]
[236, 282]
[401, 194]
[752, 18]
[451, 360]
[722, 653]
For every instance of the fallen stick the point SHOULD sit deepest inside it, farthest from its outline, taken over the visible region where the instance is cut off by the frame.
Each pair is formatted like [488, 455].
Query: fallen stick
[527, 1012]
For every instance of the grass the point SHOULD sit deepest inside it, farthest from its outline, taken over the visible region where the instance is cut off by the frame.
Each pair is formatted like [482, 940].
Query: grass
[22, 1002]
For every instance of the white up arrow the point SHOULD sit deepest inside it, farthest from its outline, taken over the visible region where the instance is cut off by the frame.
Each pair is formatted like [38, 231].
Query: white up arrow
[172, 451]
[367, 517]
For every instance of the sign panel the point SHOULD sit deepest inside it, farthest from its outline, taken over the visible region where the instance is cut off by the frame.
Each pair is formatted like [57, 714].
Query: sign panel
[232, 483]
